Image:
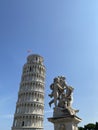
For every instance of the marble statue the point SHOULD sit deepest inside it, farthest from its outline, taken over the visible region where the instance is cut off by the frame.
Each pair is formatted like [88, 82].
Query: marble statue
[57, 88]
[62, 95]
[64, 116]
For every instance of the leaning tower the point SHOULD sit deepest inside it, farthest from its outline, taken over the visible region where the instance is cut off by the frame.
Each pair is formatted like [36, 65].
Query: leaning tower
[30, 104]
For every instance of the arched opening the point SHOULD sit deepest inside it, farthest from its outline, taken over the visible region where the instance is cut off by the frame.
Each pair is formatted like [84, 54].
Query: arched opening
[30, 68]
[23, 123]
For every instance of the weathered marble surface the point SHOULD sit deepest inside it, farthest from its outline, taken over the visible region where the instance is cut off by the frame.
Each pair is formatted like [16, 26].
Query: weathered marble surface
[64, 116]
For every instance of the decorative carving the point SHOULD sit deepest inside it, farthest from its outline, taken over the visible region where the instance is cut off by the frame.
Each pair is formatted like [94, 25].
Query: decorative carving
[62, 127]
[57, 88]
[61, 96]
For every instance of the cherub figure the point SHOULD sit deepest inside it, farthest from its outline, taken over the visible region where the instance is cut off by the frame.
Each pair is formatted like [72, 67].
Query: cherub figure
[57, 87]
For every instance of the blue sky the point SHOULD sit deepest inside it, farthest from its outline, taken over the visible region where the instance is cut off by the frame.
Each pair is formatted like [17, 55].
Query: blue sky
[65, 33]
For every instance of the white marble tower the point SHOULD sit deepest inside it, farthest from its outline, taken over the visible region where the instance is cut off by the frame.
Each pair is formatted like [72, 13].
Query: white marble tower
[30, 104]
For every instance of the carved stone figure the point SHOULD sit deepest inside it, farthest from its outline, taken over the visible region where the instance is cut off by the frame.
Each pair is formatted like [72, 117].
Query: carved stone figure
[57, 87]
[64, 116]
[61, 95]
[69, 92]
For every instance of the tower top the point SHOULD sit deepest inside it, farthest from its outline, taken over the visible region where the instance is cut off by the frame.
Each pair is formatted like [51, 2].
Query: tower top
[35, 58]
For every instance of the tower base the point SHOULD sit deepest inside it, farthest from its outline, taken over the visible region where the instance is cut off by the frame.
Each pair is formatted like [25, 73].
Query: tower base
[65, 123]
[27, 129]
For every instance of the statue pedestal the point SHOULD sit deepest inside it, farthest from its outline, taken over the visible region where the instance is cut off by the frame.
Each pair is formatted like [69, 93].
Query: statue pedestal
[65, 119]
[65, 123]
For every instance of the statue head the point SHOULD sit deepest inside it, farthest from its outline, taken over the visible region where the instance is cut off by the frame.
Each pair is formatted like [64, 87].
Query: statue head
[56, 79]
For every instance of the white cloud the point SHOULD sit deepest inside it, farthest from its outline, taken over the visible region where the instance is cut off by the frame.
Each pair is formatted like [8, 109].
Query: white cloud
[7, 116]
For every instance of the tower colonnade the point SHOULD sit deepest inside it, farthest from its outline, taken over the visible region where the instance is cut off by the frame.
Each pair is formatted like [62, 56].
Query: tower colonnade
[31, 108]
[28, 121]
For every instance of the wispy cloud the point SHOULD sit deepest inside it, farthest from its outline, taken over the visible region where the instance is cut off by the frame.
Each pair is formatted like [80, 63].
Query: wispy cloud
[48, 111]
[7, 116]
[47, 124]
